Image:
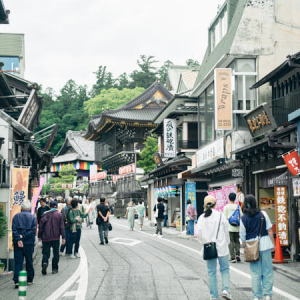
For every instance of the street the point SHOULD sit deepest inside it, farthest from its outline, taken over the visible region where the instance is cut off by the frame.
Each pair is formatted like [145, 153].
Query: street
[137, 265]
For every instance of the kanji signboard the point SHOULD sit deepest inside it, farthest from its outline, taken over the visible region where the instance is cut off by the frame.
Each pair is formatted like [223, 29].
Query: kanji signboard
[281, 214]
[291, 159]
[169, 138]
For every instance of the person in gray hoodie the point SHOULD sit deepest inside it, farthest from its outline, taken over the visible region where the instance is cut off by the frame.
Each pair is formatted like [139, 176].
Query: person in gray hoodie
[51, 227]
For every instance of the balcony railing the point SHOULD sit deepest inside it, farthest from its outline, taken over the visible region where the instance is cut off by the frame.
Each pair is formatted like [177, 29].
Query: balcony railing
[283, 106]
[189, 144]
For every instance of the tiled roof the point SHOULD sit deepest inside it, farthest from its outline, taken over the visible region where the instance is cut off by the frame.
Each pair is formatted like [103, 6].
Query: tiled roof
[138, 114]
[65, 157]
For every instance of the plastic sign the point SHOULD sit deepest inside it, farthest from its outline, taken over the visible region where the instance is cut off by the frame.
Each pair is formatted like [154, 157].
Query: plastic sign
[170, 138]
[291, 159]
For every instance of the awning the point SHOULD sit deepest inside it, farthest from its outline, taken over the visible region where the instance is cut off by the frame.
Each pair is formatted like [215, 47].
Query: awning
[220, 161]
[232, 181]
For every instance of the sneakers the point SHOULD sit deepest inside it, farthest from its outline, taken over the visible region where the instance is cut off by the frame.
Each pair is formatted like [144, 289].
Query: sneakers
[54, 271]
[101, 243]
[268, 297]
[29, 282]
[238, 259]
[44, 268]
[62, 253]
[72, 256]
[160, 236]
[16, 285]
[155, 234]
[106, 240]
[226, 295]
[233, 260]
[77, 255]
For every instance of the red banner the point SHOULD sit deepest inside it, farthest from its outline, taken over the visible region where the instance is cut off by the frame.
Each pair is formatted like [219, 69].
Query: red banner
[292, 161]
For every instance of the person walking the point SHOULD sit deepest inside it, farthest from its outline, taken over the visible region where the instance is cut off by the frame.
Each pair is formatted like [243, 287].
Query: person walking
[234, 230]
[61, 204]
[23, 233]
[102, 220]
[165, 203]
[75, 217]
[159, 216]
[191, 217]
[130, 213]
[212, 227]
[51, 228]
[240, 195]
[43, 208]
[261, 271]
[141, 210]
[64, 213]
[88, 207]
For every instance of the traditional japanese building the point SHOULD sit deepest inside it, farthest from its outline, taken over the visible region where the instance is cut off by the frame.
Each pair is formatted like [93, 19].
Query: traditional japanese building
[119, 136]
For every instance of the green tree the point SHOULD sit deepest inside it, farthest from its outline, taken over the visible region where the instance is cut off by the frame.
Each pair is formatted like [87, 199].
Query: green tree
[104, 80]
[66, 174]
[3, 224]
[192, 63]
[110, 99]
[147, 162]
[122, 81]
[163, 71]
[147, 75]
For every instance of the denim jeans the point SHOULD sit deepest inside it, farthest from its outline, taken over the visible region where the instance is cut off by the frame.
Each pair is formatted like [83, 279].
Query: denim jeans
[165, 220]
[262, 275]
[65, 246]
[212, 275]
[74, 239]
[46, 253]
[190, 229]
[19, 254]
[103, 227]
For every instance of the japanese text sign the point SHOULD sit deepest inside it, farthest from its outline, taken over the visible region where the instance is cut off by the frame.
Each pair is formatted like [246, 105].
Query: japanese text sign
[230, 189]
[220, 199]
[190, 193]
[169, 138]
[101, 175]
[291, 159]
[127, 169]
[223, 101]
[281, 214]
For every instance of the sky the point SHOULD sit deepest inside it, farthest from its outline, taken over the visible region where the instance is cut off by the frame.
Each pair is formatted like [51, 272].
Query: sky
[70, 39]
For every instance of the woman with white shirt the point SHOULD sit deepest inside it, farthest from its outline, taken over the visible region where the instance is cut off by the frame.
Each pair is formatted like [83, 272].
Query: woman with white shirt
[262, 270]
[212, 226]
[88, 208]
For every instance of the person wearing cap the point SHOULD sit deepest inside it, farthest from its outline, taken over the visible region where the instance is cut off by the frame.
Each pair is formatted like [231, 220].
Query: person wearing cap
[51, 227]
[212, 227]
[23, 232]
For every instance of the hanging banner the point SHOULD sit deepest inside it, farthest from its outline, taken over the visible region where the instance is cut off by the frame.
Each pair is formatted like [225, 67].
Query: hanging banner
[291, 159]
[101, 175]
[190, 193]
[220, 199]
[169, 138]
[127, 169]
[35, 194]
[230, 189]
[281, 214]
[223, 99]
[19, 194]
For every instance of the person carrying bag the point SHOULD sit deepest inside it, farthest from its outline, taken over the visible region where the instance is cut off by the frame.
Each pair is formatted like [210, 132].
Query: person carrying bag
[257, 237]
[212, 232]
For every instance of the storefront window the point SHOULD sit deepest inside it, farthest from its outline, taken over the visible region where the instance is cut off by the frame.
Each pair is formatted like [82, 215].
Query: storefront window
[210, 114]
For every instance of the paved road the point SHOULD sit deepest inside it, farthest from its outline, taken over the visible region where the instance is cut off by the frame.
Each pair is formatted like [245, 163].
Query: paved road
[136, 265]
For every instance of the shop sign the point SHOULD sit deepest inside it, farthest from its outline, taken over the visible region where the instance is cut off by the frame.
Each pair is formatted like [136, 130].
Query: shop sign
[291, 159]
[190, 193]
[296, 187]
[157, 159]
[281, 214]
[127, 169]
[167, 191]
[169, 138]
[228, 147]
[237, 173]
[101, 175]
[272, 179]
[211, 152]
[260, 120]
[223, 99]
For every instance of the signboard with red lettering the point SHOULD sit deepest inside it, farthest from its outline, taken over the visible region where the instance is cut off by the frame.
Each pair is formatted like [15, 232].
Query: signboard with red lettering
[281, 214]
[127, 169]
[101, 175]
[291, 159]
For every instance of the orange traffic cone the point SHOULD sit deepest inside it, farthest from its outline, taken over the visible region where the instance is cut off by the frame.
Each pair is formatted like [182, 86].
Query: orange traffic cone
[278, 258]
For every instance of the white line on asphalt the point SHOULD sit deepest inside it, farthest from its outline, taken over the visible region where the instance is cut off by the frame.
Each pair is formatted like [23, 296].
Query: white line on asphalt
[276, 290]
[69, 294]
[84, 274]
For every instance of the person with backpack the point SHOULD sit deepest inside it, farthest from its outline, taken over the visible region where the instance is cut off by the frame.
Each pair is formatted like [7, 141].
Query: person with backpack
[64, 213]
[233, 214]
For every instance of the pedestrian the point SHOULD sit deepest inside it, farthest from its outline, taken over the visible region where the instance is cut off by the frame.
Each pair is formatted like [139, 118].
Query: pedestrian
[88, 207]
[23, 232]
[51, 228]
[234, 230]
[141, 210]
[130, 213]
[75, 217]
[165, 203]
[212, 227]
[43, 208]
[240, 195]
[61, 204]
[102, 220]
[159, 215]
[191, 217]
[64, 213]
[261, 271]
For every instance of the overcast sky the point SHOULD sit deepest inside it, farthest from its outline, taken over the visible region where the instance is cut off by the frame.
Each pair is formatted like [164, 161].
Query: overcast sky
[69, 39]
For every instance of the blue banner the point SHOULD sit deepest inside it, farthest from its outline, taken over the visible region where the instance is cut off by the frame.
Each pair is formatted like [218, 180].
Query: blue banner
[190, 193]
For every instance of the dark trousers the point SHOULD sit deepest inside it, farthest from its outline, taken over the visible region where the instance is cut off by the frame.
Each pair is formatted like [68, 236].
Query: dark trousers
[234, 246]
[46, 253]
[103, 228]
[165, 220]
[19, 254]
[65, 246]
[74, 239]
[158, 227]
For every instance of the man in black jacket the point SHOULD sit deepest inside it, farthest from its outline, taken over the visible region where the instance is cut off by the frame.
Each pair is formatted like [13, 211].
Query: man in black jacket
[160, 216]
[64, 213]
[43, 208]
[103, 213]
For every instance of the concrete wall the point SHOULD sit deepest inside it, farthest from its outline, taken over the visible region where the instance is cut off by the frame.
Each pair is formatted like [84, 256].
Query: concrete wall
[270, 30]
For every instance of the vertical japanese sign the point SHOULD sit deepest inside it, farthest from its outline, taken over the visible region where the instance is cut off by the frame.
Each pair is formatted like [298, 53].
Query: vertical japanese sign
[19, 187]
[291, 159]
[223, 101]
[281, 214]
[190, 193]
[296, 187]
[35, 194]
[169, 138]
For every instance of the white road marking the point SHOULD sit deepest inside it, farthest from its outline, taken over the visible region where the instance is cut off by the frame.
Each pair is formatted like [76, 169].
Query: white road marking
[276, 290]
[69, 294]
[81, 272]
[126, 242]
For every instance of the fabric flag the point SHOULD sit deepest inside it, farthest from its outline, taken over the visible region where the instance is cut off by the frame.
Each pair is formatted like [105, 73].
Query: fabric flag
[36, 193]
[291, 159]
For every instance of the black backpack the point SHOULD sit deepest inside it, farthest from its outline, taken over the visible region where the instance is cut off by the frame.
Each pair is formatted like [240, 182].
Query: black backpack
[64, 212]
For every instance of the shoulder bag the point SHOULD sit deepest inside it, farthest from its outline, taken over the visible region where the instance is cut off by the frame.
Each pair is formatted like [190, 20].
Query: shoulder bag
[210, 249]
[251, 253]
[109, 226]
[156, 212]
